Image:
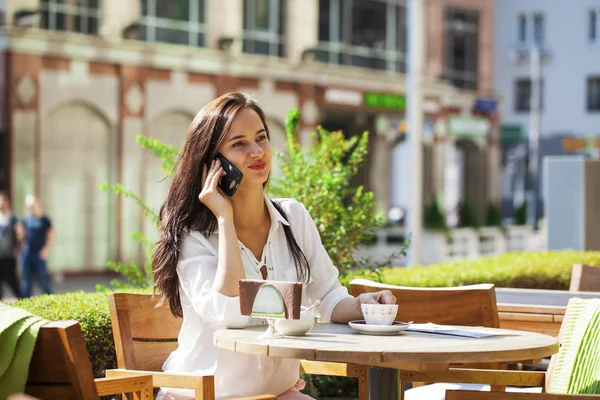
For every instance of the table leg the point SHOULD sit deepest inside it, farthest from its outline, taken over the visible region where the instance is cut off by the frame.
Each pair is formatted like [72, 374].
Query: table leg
[384, 384]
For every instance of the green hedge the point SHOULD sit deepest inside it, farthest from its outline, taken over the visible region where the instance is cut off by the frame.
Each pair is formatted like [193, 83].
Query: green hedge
[91, 310]
[535, 270]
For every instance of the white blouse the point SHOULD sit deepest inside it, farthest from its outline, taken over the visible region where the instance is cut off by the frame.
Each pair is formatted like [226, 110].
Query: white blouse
[206, 310]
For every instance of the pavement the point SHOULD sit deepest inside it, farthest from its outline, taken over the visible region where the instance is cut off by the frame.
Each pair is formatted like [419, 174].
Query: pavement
[65, 284]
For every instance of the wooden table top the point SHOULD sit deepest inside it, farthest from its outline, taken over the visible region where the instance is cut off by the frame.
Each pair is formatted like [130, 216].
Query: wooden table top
[408, 350]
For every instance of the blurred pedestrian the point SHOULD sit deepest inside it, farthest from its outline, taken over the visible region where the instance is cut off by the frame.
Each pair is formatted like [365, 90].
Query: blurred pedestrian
[39, 237]
[11, 235]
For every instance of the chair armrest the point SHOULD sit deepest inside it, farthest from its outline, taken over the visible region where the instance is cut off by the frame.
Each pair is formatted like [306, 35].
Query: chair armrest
[198, 383]
[486, 376]
[125, 384]
[164, 379]
[472, 395]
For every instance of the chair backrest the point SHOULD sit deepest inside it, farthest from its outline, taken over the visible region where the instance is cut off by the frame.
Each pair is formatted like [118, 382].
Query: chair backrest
[473, 305]
[576, 366]
[60, 366]
[585, 278]
[144, 333]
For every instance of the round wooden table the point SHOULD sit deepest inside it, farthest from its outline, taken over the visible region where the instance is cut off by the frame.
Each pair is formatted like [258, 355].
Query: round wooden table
[412, 351]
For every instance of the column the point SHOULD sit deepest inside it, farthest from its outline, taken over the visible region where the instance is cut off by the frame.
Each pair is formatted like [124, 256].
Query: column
[302, 27]
[118, 15]
[225, 20]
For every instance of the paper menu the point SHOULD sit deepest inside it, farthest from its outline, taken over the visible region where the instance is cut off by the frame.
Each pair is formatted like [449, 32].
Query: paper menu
[462, 331]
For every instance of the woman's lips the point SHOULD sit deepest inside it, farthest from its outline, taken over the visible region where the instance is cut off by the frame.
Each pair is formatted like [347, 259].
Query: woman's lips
[258, 166]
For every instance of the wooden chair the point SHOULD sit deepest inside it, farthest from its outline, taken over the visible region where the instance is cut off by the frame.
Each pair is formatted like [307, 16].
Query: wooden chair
[585, 278]
[471, 395]
[531, 318]
[473, 305]
[144, 336]
[544, 379]
[60, 369]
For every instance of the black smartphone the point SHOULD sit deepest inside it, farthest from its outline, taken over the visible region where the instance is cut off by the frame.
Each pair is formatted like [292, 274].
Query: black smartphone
[232, 178]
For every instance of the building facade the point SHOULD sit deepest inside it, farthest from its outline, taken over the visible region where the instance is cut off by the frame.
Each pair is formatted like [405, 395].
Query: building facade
[568, 38]
[83, 78]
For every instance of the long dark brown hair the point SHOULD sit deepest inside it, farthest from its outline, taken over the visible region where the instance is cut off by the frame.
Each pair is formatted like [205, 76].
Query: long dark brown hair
[183, 212]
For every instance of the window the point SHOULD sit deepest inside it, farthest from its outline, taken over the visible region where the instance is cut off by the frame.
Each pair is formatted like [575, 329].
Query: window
[593, 93]
[461, 47]
[363, 33]
[523, 95]
[174, 21]
[530, 29]
[538, 29]
[264, 27]
[522, 29]
[595, 25]
[81, 16]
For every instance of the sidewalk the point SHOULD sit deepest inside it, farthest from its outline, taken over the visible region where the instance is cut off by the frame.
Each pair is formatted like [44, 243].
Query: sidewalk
[61, 284]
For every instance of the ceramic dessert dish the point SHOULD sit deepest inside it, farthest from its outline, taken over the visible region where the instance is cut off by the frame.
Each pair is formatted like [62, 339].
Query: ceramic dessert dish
[296, 327]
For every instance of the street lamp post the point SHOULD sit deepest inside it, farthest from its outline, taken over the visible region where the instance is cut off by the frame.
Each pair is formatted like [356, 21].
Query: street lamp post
[534, 135]
[415, 34]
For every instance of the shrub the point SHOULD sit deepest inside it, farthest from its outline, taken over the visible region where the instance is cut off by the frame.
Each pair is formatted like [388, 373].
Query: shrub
[320, 179]
[536, 270]
[520, 214]
[141, 277]
[468, 215]
[435, 217]
[493, 216]
[91, 311]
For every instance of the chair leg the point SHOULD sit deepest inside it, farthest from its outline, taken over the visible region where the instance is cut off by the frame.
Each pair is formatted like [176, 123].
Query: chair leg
[402, 389]
[146, 393]
[499, 388]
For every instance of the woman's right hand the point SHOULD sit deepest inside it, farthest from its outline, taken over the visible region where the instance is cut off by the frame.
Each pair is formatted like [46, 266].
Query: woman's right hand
[211, 195]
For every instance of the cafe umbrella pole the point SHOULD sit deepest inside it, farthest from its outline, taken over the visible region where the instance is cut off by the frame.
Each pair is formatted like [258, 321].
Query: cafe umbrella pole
[534, 136]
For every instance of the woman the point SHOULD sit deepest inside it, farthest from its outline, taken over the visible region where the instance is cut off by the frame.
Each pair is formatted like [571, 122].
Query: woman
[209, 241]
[39, 238]
[11, 234]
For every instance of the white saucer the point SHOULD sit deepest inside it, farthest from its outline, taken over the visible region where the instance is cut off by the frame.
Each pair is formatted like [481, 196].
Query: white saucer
[378, 330]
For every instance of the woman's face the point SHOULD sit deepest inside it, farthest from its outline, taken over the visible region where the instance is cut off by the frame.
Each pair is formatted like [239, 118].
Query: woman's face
[247, 146]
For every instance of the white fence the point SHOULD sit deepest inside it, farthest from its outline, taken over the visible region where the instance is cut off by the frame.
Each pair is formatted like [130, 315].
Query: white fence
[458, 244]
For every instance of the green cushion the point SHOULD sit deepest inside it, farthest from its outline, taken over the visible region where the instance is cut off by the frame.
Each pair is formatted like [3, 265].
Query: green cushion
[577, 364]
[18, 334]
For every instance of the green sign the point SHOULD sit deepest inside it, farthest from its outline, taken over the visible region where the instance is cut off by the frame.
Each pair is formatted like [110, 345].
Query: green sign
[468, 127]
[387, 101]
[512, 133]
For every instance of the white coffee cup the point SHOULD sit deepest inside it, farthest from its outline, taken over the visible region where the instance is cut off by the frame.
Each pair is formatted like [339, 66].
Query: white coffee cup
[379, 314]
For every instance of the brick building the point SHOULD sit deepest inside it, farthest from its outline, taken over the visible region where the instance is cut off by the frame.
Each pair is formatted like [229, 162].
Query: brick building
[81, 78]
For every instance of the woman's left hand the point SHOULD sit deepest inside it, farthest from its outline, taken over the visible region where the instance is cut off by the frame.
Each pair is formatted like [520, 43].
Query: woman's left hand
[381, 297]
